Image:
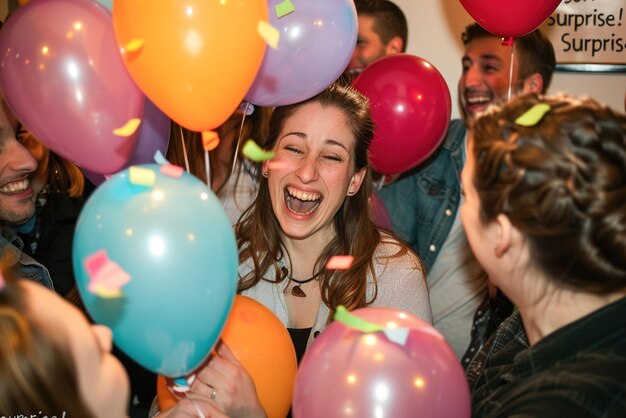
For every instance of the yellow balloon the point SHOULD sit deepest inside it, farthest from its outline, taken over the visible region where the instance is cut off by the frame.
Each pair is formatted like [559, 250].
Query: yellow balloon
[195, 59]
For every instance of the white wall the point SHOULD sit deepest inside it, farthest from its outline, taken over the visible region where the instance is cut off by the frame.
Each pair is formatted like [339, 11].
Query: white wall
[435, 28]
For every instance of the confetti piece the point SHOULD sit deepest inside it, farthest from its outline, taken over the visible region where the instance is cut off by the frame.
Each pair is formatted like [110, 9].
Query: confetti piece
[141, 176]
[106, 277]
[533, 115]
[254, 152]
[96, 262]
[128, 129]
[172, 170]
[134, 46]
[183, 384]
[342, 315]
[2, 282]
[159, 158]
[397, 335]
[340, 262]
[277, 165]
[210, 140]
[284, 8]
[269, 33]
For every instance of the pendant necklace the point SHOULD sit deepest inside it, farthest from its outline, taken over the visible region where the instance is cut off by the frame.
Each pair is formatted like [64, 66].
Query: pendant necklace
[297, 290]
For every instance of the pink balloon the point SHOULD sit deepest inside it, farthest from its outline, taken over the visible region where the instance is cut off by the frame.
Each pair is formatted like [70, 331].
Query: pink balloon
[510, 18]
[411, 107]
[154, 135]
[316, 45]
[347, 373]
[64, 79]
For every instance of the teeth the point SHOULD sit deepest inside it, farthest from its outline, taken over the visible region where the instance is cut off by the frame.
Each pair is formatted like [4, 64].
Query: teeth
[304, 196]
[477, 100]
[15, 187]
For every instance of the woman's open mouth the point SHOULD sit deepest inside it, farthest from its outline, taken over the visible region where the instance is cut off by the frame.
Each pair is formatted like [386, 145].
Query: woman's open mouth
[301, 202]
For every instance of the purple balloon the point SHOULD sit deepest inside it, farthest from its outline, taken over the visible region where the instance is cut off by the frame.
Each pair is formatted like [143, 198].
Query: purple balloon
[64, 79]
[347, 373]
[315, 47]
[154, 135]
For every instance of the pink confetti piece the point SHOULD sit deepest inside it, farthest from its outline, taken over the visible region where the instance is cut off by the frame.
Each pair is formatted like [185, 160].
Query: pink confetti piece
[96, 262]
[340, 262]
[106, 277]
[277, 165]
[172, 170]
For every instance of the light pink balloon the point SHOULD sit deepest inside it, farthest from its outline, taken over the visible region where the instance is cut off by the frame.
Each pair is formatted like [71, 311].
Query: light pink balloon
[63, 77]
[347, 373]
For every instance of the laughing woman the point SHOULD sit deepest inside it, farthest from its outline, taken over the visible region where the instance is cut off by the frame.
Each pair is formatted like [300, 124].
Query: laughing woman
[312, 205]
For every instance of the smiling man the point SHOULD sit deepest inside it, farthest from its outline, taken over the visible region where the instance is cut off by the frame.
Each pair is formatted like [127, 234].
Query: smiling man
[423, 204]
[383, 31]
[17, 198]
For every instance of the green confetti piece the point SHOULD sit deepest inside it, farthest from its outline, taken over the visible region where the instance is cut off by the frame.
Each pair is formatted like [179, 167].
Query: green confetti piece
[255, 153]
[342, 315]
[533, 115]
[284, 8]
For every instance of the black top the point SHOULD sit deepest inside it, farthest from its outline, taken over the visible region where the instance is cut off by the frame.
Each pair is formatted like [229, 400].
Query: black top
[577, 371]
[299, 337]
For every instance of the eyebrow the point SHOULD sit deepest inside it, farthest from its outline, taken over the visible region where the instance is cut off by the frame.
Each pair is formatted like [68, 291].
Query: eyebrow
[302, 135]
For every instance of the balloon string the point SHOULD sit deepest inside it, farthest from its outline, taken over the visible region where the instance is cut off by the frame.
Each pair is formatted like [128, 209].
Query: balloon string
[182, 140]
[207, 165]
[232, 170]
[380, 183]
[511, 72]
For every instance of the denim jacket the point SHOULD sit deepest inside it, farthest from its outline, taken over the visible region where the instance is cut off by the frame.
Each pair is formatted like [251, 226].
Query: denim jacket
[429, 197]
[27, 267]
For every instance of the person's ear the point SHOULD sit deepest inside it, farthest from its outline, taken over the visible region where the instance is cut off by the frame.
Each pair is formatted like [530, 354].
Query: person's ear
[504, 231]
[264, 169]
[533, 84]
[394, 46]
[356, 181]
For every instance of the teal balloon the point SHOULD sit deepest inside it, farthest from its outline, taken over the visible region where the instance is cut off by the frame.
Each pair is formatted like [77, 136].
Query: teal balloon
[178, 246]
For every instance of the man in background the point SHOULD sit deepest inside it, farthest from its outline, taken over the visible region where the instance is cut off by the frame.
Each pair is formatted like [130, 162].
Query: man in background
[423, 203]
[383, 31]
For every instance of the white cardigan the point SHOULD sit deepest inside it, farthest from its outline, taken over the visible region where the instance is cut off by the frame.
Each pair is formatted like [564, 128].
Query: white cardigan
[400, 284]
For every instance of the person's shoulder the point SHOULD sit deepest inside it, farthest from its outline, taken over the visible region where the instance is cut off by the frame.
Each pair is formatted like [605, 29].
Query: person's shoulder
[392, 248]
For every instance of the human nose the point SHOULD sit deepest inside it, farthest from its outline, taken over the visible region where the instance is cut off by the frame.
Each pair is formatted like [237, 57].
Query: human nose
[104, 335]
[307, 171]
[472, 77]
[21, 159]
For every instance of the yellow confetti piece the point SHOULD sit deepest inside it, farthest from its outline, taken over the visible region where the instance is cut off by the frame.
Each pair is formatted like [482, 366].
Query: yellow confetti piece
[141, 176]
[210, 140]
[134, 46]
[128, 129]
[104, 292]
[340, 262]
[254, 152]
[284, 8]
[269, 33]
[533, 115]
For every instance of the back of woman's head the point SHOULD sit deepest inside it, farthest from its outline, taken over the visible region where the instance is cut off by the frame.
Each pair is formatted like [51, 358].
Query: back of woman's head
[562, 183]
[36, 375]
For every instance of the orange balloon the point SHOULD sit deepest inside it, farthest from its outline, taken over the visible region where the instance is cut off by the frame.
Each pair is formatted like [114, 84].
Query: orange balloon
[195, 59]
[263, 345]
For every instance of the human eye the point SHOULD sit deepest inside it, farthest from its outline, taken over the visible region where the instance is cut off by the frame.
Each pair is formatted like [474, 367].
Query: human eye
[21, 134]
[293, 149]
[466, 64]
[332, 158]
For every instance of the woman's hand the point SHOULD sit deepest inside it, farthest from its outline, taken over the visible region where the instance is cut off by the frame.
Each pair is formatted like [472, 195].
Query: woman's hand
[226, 383]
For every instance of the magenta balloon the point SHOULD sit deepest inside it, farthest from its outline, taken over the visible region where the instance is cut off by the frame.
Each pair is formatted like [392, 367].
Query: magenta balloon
[315, 47]
[411, 107]
[154, 135]
[64, 79]
[347, 373]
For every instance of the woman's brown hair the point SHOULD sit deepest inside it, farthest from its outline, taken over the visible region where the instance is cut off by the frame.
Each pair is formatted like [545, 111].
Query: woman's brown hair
[562, 183]
[36, 374]
[258, 235]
